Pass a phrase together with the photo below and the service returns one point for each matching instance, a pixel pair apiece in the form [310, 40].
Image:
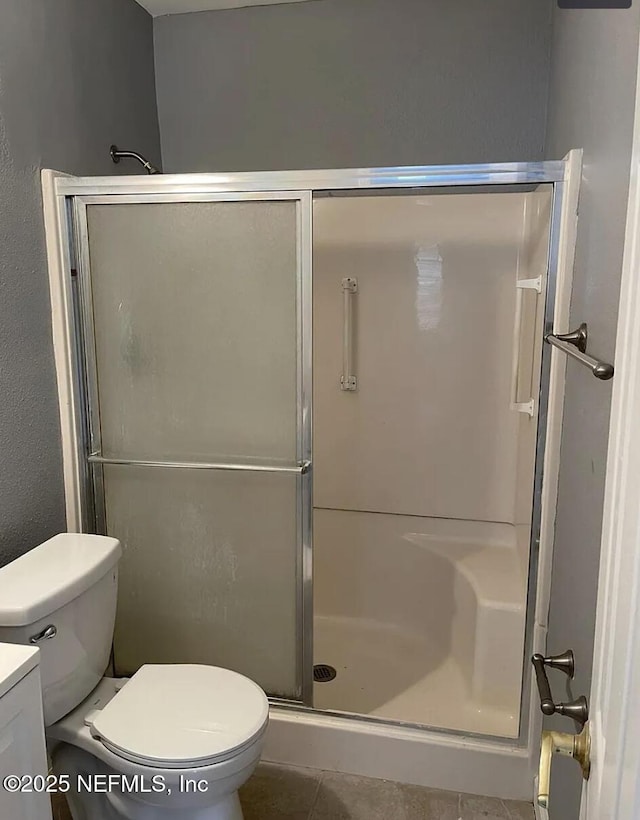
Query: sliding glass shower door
[196, 324]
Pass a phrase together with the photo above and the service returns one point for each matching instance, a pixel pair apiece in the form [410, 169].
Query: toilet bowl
[172, 741]
[172, 738]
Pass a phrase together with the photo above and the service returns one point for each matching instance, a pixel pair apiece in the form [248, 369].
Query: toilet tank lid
[51, 575]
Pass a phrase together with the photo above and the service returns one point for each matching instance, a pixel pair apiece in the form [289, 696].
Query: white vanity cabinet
[22, 745]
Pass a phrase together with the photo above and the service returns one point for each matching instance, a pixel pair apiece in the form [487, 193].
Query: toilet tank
[61, 597]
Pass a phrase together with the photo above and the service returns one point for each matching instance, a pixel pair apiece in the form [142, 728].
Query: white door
[613, 789]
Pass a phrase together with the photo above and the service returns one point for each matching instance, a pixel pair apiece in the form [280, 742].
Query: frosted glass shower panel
[194, 309]
[195, 409]
[209, 570]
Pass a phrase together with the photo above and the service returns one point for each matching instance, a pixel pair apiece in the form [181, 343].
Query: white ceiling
[158, 7]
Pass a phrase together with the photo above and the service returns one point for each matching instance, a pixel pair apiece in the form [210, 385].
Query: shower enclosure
[312, 406]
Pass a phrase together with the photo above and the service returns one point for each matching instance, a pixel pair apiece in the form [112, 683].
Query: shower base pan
[388, 672]
[425, 621]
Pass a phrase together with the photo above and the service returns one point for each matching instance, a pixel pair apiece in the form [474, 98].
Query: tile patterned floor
[288, 793]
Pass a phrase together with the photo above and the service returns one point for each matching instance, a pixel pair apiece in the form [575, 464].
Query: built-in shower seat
[489, 590]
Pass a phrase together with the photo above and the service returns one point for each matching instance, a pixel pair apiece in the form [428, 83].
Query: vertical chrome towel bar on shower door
[348, 380]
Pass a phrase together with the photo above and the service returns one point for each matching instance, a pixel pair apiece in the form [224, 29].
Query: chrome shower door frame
[94, 513]
[80, 191]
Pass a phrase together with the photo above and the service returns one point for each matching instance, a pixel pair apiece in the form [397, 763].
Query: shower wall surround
[430, 431]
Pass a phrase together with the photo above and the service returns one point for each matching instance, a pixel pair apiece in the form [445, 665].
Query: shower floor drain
[323, 673]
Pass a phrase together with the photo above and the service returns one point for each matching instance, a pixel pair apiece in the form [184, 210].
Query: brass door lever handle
[576, 746]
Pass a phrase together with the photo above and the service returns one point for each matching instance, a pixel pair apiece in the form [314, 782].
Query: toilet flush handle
[47, 633]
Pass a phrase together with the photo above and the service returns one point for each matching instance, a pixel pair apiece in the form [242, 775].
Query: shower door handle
[348, 380]
[299, 468]
[527, 407]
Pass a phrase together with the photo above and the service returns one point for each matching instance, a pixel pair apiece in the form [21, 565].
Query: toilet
[172, 741]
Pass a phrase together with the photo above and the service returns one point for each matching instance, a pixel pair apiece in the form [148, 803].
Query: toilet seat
[178, 716]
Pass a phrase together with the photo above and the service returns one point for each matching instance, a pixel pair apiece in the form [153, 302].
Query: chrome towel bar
[96, 458]
[574, 344]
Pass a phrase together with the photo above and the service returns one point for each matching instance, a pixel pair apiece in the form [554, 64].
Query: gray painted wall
[343, 83]
[591, 105]
[75, 76]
